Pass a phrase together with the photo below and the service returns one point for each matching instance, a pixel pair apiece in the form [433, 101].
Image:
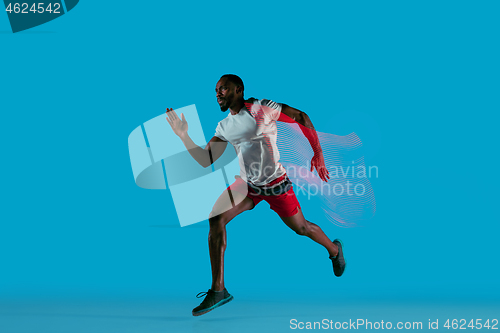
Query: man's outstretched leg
[217, 295]
[303, 227]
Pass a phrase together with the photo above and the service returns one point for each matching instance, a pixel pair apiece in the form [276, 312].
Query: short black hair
[234, 79]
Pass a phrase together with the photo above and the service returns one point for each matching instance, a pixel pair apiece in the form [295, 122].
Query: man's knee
[212, 215]
[303, 229]
[217, 229]
[217, 222]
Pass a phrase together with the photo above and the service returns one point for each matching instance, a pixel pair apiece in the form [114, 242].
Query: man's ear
[239, 89]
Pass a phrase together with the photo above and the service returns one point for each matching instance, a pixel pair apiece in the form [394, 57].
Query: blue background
[418, 82]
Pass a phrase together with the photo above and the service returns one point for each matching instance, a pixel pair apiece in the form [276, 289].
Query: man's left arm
[292, 115]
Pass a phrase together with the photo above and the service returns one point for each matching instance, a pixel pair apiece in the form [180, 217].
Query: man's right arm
[204, 156]
[208, 155]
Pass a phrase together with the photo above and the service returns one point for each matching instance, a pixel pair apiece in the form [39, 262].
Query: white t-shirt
[253, 133]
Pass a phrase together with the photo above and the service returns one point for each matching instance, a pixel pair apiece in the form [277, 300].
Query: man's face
[226, 94]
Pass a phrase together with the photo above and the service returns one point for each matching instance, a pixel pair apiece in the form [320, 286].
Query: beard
[226, 101]
[224, 105]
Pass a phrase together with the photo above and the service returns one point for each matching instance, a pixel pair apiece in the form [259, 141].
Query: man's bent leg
[303, 227]
[299, 224]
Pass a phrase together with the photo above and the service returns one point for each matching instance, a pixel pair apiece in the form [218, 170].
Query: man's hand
[318, 162]
[179, 126]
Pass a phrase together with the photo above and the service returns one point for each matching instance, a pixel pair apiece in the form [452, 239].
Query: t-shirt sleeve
[271, 108]
[219, 132]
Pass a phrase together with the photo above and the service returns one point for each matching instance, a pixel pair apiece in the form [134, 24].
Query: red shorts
[285, 205]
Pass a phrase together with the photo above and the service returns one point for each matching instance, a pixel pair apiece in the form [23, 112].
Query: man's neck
[236, 108]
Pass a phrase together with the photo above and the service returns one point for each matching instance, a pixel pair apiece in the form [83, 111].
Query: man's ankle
[336, 253]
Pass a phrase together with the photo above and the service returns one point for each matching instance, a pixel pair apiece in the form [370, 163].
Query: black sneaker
[213, 300]
[338, 261]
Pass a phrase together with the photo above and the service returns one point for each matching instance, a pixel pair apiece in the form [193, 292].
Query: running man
[251, 128]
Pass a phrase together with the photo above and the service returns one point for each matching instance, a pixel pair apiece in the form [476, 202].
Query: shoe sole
[216, 305]
[345, 261]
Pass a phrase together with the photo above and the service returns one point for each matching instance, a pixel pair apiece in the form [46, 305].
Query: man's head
[229, 90]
